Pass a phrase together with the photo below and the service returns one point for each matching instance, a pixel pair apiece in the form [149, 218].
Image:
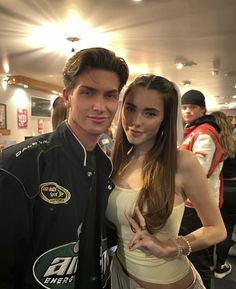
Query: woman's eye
[149, 113]
[129, 108]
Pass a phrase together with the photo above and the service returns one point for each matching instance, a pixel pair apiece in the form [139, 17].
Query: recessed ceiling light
[137, 0]
[179, 65]
[215, 72]
[186, 83]
[181, 62]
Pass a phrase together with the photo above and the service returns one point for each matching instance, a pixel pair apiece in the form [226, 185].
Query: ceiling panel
[151, 35]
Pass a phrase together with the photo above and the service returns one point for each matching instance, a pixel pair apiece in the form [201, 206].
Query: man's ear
[66, 97]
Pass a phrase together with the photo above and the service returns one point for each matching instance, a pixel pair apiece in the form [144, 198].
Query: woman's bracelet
[189, 251]
[178, 247]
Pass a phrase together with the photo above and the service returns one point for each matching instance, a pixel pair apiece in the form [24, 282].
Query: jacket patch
[56, 268]
[54, 194]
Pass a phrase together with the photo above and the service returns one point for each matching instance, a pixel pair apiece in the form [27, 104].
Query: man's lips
[97, 119]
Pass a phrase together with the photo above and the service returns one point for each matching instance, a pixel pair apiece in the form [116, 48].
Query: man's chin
[98, 132]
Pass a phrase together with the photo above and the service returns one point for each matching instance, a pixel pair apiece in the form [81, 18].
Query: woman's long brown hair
[156, 197]
[226, 134]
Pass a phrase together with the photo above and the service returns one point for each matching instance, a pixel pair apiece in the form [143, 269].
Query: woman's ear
[66, 97]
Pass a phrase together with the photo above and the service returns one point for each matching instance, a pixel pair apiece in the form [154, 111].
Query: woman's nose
[137, 119]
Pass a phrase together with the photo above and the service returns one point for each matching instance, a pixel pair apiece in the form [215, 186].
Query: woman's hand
[146, 242]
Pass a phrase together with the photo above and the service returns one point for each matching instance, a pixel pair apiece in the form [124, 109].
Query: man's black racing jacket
[44, 187]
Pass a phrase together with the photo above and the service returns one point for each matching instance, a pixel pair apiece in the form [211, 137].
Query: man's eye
[86, 92]
[112, 95]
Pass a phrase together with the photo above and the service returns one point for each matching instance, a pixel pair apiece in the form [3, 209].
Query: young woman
[228, 209]
[153, 179]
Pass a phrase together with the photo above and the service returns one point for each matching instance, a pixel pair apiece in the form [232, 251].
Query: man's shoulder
[206, 128]
[23, 158]
[24, 161]
[25, 150]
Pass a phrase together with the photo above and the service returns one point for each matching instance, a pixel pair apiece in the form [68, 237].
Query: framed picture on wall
[40, 107]
[22, 118]
[3, 116]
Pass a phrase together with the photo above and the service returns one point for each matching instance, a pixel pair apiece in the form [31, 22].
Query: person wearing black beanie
[193, 97]
[201, 137]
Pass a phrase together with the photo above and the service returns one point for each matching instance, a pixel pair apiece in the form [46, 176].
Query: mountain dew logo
[56, 268]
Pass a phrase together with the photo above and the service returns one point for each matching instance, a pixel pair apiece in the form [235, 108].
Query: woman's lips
[135, 133]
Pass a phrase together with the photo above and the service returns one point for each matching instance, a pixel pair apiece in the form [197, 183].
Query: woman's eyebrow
[151, 109]
[130, 104]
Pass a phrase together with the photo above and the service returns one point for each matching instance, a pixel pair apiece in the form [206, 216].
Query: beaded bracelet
[188, 245]
[178, 247]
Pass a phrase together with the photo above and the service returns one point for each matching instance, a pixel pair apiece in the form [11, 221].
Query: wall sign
[22, 118]
[3, 116]
[40, 125]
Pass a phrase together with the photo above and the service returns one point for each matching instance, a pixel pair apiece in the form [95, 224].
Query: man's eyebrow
[88, 87]
[95, 89]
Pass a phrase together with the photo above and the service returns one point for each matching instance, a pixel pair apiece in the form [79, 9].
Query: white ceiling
[150, 35]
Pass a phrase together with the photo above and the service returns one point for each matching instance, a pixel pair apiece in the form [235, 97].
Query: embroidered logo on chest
[54, 194]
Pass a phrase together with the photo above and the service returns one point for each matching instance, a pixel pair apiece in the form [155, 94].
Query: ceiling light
[179, 65]
[186, 83]
[215, 72]
[230, 73]
[181, 62]
[231, 105]
[73, 39]
[5, 80]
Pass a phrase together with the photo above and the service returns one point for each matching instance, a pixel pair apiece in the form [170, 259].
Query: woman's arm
[197, 189]
[195, 186]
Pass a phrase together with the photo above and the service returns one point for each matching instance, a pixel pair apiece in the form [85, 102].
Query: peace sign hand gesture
[147, 242]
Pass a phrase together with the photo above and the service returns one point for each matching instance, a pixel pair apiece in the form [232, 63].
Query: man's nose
[99, 103]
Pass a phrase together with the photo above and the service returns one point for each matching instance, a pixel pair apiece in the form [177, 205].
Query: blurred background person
[106, 141]
[228, 209]
[202, 138]
[59, 112]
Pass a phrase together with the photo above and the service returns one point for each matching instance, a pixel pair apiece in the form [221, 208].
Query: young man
[54, 187]
[201, 137]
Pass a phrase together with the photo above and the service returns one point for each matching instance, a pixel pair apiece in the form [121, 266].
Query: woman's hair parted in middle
[156, 197]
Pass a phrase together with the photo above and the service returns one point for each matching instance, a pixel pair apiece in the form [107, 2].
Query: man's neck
[89, 141]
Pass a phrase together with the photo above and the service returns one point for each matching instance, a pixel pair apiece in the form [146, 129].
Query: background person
[53, 196]
[106, 141]
[228, 209]
[59, 112]
[153, 180]
[202, 138]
